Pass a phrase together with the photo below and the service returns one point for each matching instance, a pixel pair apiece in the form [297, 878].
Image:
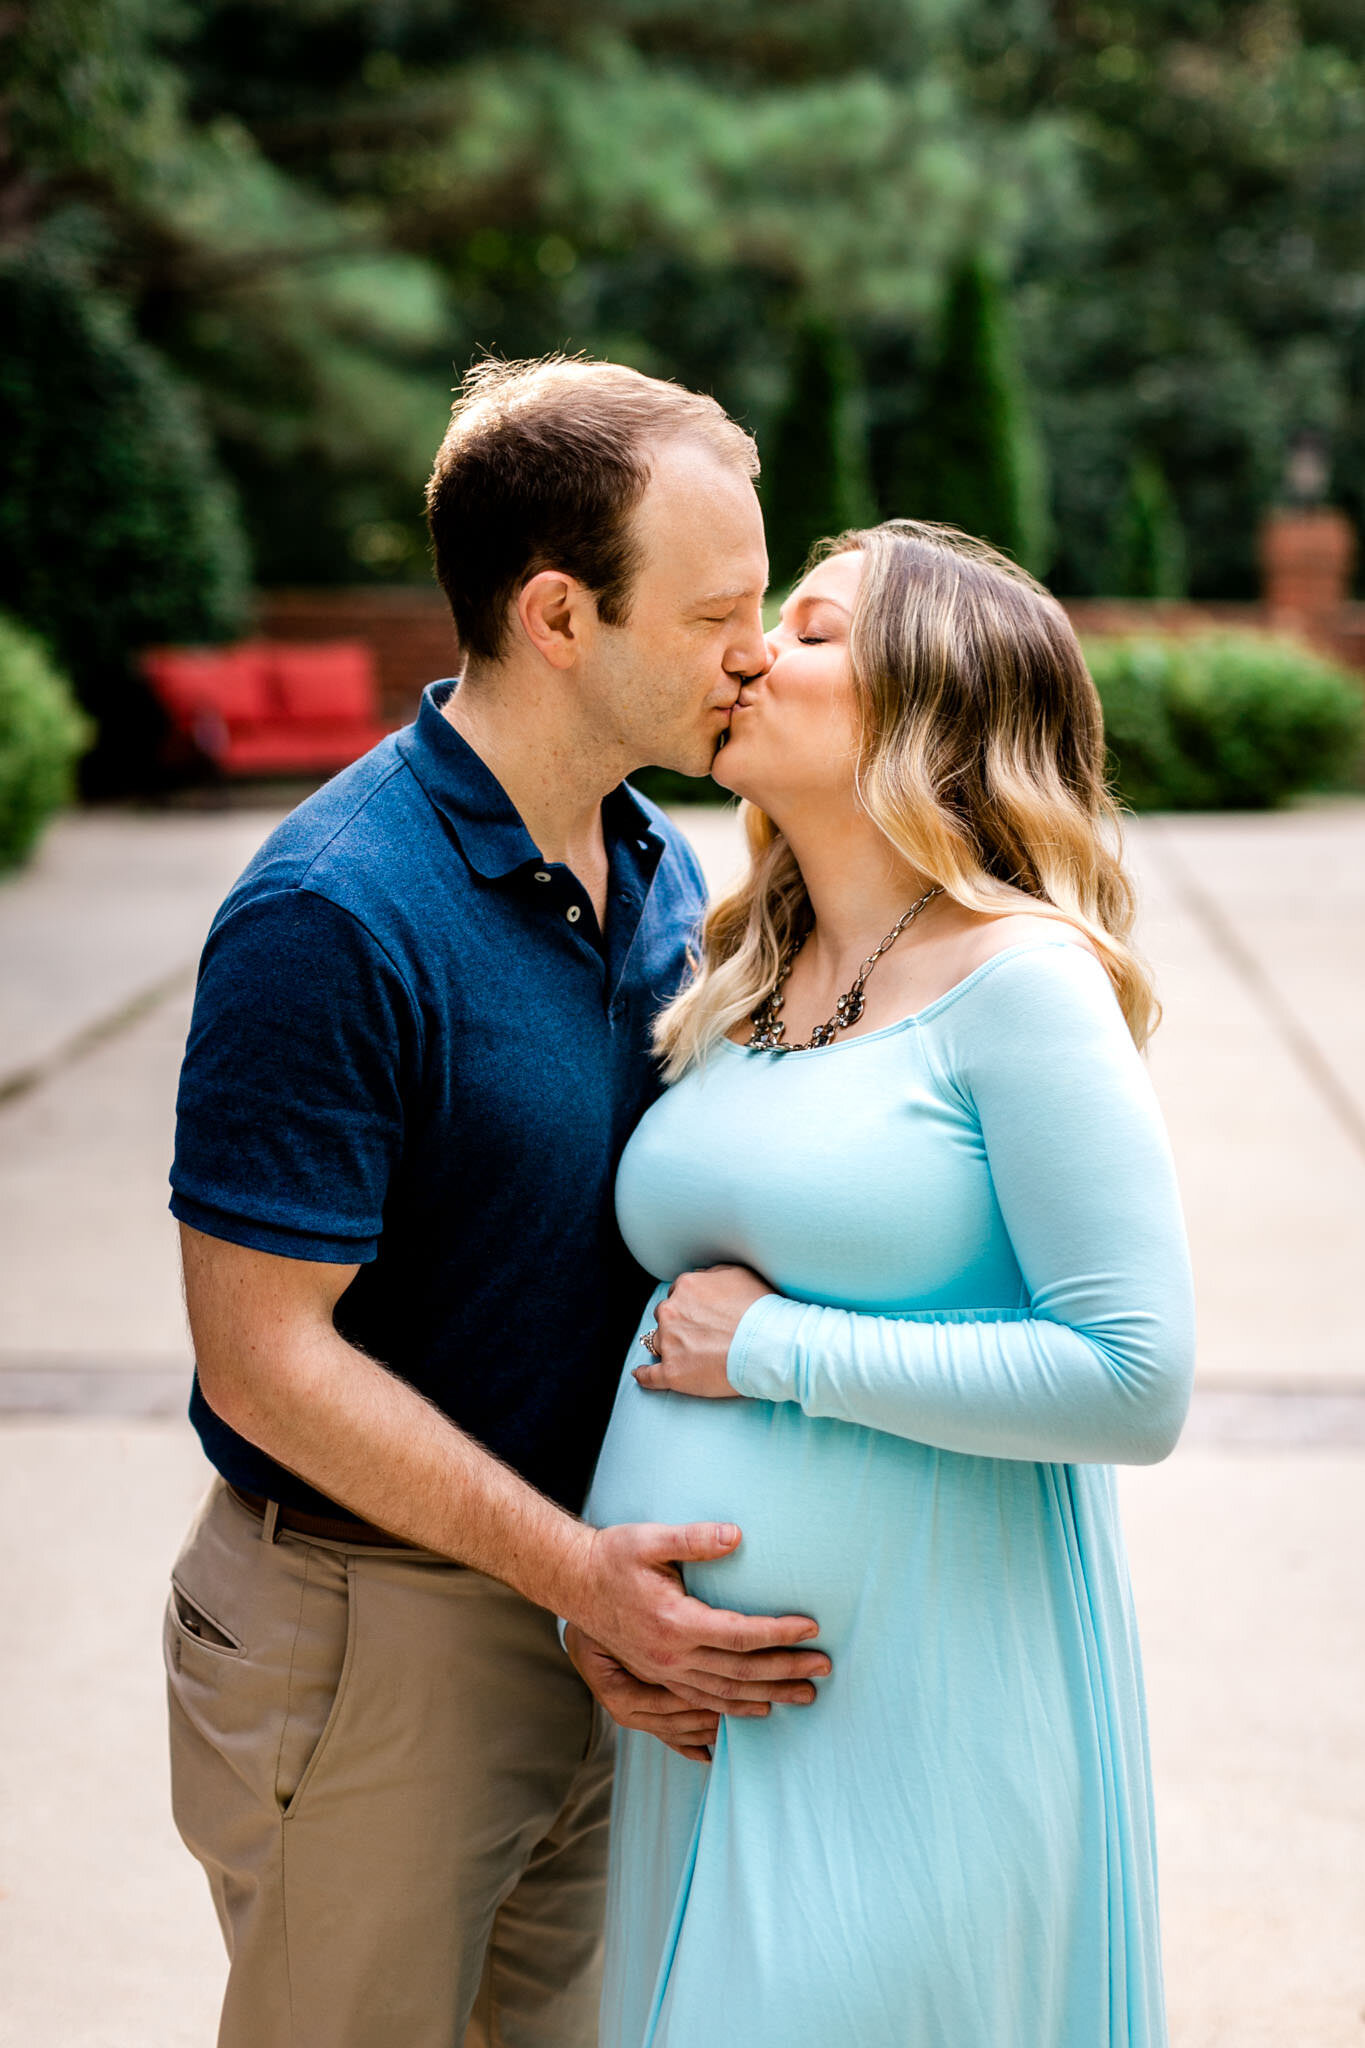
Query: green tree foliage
[1194, 285]
[318, 213]
[814, 458]
[320, 349]
[1149, 542]
[116, 527]
[42, 735]
[321, 213]
[976, 460]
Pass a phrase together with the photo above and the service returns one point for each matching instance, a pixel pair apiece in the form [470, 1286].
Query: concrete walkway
[1246, 1545]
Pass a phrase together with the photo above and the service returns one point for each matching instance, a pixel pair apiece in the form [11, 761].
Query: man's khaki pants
[398, 1787]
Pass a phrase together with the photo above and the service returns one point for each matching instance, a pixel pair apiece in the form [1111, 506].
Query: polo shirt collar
[478, 809]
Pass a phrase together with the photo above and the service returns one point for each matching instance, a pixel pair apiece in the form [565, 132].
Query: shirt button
[573, 913]
[541, 875]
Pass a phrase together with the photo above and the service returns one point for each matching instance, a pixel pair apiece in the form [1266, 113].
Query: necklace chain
[769, 1030]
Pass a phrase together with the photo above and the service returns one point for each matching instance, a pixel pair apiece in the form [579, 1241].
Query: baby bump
[949, 1577]
[822, 1505]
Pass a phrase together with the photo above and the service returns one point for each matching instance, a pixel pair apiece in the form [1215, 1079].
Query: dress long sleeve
[1096, 1366]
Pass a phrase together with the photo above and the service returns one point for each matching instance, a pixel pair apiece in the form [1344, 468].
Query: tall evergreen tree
[815, 479]
[1148, 549]
[975, 459]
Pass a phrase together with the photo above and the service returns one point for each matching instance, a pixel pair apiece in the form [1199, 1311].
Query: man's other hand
[651, 1709]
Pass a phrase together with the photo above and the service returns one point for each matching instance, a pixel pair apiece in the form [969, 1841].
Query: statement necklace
[768, 1026]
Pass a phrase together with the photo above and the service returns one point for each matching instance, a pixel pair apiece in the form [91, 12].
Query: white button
[573, 913]
[541, 875]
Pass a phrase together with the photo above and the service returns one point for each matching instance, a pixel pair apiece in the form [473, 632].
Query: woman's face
[793, 739]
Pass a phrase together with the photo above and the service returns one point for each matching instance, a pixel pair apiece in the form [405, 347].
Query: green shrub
[117, 529]
[42, 736]
[1225, 721]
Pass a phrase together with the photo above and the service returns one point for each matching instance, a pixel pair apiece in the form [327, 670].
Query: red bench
[270, 708]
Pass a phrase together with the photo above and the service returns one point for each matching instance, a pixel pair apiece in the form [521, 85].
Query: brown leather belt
[361, 1535]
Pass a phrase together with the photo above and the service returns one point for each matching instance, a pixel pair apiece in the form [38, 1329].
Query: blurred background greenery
[1074, 275]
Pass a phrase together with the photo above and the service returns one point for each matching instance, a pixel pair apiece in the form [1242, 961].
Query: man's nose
[754, 657]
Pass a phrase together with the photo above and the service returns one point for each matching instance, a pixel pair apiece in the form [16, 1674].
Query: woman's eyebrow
[810, 598]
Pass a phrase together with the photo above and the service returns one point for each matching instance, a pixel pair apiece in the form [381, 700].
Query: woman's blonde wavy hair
[981, 758]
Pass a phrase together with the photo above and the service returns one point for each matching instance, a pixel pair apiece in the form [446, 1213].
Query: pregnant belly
[960, 1569]
[823, 1506]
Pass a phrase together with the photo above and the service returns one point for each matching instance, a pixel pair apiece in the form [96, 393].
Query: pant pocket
[189, 1619]
[318, 1671]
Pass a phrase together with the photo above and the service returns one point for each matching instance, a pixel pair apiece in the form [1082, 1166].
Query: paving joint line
[23, 1080]
[1303, 1048]
[1225, 1416]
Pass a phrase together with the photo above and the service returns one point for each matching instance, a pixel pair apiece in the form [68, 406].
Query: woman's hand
[696, 1321]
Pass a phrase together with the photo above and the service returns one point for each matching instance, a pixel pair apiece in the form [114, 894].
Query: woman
[933, 1284]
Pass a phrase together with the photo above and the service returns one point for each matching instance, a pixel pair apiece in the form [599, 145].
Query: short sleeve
[301, 1053]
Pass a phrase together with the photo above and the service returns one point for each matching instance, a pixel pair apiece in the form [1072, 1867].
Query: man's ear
[557, 614]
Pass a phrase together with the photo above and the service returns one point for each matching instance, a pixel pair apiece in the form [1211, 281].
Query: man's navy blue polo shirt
[414, 1051]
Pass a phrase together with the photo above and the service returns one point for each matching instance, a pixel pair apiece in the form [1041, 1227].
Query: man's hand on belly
[652, 1709]
[697, 1320]
[629, 1598]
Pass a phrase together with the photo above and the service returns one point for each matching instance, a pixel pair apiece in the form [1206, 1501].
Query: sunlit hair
[981, 759]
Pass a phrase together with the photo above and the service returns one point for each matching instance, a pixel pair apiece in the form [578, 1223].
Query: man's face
[663, 684]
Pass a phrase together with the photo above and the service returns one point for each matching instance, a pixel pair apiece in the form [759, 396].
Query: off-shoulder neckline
[930, 1010]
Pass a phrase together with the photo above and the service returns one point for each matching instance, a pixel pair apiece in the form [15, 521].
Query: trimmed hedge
[1225, 721]
[42, 736]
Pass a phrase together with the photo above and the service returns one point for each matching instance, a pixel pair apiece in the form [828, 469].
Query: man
[421, 1037]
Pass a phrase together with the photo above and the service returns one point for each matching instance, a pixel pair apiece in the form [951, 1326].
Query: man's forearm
[370, 1441]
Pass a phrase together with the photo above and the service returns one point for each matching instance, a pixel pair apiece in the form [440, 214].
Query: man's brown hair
[542, 467]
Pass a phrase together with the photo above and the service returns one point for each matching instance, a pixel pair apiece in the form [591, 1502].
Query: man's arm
[274, 1367]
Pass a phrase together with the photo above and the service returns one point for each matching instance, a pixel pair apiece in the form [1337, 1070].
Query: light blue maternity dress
[983, 1302]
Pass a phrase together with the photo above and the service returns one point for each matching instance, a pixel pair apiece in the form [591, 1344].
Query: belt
[360, 1535]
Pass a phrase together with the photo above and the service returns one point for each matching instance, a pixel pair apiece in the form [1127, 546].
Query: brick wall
[408, 629]
[1307, 563]
[1307, 559]
[1158, 615]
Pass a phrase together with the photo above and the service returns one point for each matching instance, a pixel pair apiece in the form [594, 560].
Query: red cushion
[334, 679]
[191, 681]
[279, 745]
